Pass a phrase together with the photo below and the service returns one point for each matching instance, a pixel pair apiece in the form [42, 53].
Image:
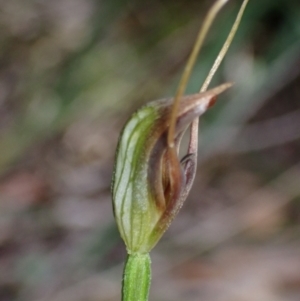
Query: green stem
[136, 277]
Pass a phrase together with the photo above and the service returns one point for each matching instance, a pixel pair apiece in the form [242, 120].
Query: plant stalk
[136, 277]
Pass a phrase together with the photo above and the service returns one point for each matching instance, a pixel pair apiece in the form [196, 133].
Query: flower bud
[150, 183]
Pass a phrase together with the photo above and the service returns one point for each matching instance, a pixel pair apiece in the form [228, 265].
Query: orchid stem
[136, 277]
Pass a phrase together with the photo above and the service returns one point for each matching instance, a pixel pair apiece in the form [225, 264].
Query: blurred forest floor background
[71, 73]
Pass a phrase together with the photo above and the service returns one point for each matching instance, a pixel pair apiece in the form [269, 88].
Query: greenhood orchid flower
[150, 181]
